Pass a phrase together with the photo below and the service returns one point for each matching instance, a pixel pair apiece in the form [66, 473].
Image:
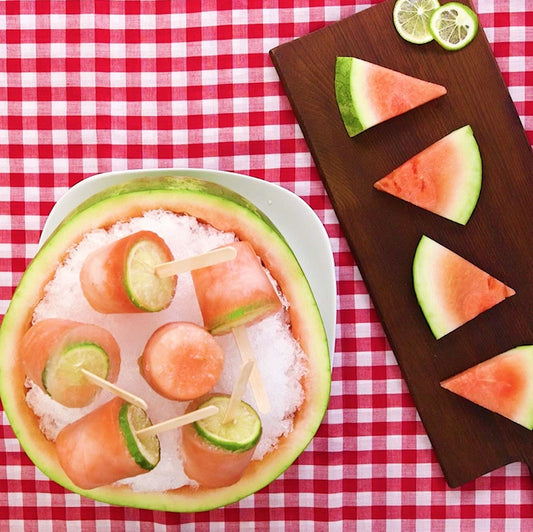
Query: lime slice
[453, 25]
[146, 290]
[411, 19]
[63, 379]
[238, 435]
[145, 450]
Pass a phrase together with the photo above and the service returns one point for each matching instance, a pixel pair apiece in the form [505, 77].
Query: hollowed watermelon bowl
[300, 261]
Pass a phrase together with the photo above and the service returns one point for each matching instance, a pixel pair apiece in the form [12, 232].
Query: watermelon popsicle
[215, 454]
[137, 273]
[181, 361]
[103, 446]
[232, 295]
[219, 434]
[58, 355]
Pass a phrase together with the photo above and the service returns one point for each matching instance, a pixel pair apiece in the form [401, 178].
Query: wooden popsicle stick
[113, 388]
[209, 258]
[238, 391]
[179, 421]
[256, 382]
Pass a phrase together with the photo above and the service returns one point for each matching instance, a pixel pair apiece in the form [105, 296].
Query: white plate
[299, 224]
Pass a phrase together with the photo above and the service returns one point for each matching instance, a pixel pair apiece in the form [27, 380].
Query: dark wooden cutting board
[383, 232]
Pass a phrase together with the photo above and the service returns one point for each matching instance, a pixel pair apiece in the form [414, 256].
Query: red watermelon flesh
[502, 384]
[395, 93]
[450, 289]
[445, 178]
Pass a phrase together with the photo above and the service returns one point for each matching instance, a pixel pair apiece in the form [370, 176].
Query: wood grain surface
[383, 232]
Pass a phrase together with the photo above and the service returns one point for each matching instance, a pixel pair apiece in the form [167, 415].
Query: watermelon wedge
[450, 289]
[368, 94]
[502, 384]
[445, 178]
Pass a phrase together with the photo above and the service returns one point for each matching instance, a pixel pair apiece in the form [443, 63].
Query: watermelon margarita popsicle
[102, 447]
[181, 361]
[214, 453]
[121, 277]
[54, 351]
[234, 293]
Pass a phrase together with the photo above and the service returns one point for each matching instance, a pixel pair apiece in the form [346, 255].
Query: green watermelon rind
[524, 415]
[201, 199]
[351, 104]
[525, 418]
[468, 187]
[425, 264]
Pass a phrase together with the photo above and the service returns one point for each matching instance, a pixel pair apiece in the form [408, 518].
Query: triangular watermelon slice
[450, 289]
[445, 178]
[368, 94]
[502, 384]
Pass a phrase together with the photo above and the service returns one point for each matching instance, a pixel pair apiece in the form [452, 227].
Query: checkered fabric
[92, 86]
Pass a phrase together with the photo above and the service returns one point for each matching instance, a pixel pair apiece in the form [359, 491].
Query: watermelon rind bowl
[204, 192]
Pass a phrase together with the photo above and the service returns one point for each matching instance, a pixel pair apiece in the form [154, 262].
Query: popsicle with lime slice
[238, 435]
[72, 361]
[216, 454]
[105, 446]
[217, 449]
[120, 278]
[219, 434]
[55, 352]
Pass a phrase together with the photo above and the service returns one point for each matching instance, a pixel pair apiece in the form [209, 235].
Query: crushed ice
[278, 355]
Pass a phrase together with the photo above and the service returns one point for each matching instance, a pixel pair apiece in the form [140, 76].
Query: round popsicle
[103, 446]
[181, 361]
[214, 453]
[120, 277]
[232, 295]
[54, 353]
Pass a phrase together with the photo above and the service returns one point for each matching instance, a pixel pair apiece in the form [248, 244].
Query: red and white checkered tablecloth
[93, 86]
